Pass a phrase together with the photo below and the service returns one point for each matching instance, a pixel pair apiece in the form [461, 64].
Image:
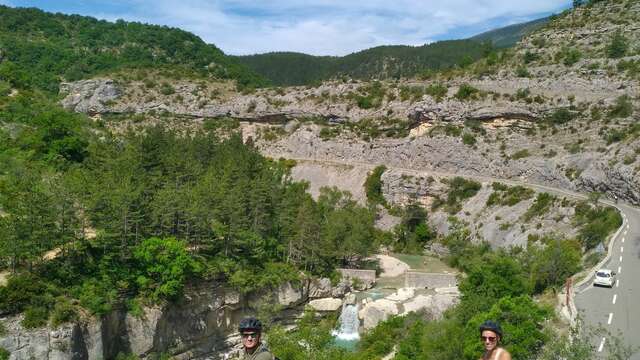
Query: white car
[605, 277]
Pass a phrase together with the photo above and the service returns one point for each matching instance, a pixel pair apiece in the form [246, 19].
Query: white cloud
[322, 27]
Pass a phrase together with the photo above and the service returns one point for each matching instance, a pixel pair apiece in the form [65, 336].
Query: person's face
[250, 339]
[489, 339]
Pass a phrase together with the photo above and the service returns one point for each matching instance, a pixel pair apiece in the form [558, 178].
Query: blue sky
[318, 27]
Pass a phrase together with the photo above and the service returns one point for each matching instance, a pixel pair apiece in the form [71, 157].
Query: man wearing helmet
[251, 330]
[491, 334]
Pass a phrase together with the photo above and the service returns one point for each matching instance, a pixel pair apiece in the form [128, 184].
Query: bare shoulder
[505, 355]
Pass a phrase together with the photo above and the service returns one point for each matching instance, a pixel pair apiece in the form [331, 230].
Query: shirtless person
[491, 334]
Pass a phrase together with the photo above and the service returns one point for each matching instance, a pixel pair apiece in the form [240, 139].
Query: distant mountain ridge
[384, 62]
[510, 35]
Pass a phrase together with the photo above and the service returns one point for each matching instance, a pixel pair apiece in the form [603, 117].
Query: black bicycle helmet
[491, 326]
[250, 324]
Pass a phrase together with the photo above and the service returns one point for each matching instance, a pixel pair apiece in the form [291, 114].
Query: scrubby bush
[622, 108]
[413, 232]
[460, 189]
[596, 223]
[35, 317]
[63, 312]
[466, 92]
[4, 354]
[413, 93]
[96, 296]
[327, 133]
[571, 56]
[167, 89]
[373, 186]
[437, 91]
[468, 139]
[23, 291]
[521, 154]
[522, 72]
[554, 263]
[615, 135]
[508, 195]
[618, 46]
[530, 57]
[560, 116]
[371, 96]
[540, 205]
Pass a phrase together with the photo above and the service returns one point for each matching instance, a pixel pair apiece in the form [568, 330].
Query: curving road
[616, 309]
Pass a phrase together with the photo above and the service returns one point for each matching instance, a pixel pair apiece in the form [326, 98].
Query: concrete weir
[415, 279]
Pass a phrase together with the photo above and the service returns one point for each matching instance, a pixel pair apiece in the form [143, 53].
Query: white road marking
[619, 269]
[610, 318]
[601, 345]
[617, 283]
[623, 240]
[615, 297]
[621, 249]
[620, 258]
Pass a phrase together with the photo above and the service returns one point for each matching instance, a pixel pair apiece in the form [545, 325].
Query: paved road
[617, 309]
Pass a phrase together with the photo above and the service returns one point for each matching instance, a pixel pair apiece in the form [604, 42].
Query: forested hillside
[40, 49]
[383, 62]
[386, 62]
[165, 210]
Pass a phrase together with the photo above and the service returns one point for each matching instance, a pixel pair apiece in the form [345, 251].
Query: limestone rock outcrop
[327, 304]
[203, 322]
[89, 96]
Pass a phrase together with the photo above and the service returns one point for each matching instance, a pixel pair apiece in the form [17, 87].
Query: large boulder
[319, 288]
[328, 304]
[435, 305]
[341, 289]
[289, 295]
[403, 294]
[376, 311]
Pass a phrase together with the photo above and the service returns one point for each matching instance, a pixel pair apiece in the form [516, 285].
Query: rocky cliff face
[202, 324]
[506, 137]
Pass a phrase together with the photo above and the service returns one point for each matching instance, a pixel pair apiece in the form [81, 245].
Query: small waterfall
[349, 323]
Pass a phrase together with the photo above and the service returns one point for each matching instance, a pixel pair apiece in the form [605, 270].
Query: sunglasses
[488, 338]
[251, 335]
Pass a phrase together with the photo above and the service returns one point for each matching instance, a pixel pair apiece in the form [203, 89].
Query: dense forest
[382, 62]
[41, 49]
[142, 214]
